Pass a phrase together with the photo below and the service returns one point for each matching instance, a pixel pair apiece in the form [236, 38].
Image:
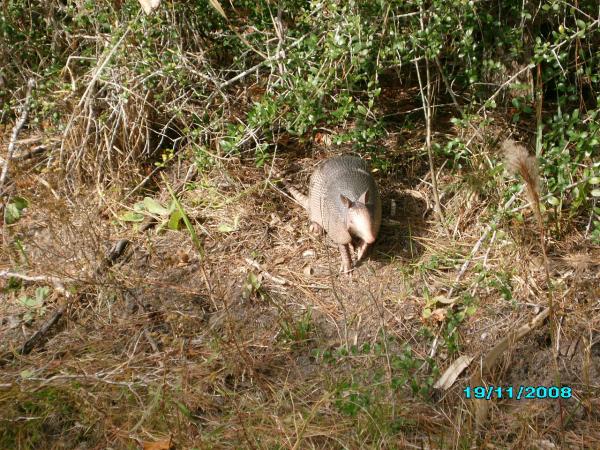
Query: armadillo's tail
[296, 194]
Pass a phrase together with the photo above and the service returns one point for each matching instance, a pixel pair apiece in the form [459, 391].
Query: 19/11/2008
[518, 393]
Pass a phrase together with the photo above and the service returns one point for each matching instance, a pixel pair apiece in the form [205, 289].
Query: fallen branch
[32, 153]
[58, 282]
[31, 343]
[452, 372]
[15, 132]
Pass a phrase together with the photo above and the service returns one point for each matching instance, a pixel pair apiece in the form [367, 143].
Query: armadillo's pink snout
[369, 238]
[363, 226]
[368, 234]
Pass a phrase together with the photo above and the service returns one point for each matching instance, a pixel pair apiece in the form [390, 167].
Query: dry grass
[258, 351]
[250, 338]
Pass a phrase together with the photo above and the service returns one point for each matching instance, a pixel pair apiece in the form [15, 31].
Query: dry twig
[15, 133]
[426, 99]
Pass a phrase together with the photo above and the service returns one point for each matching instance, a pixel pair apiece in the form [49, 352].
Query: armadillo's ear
[345, 201]
[364, 198]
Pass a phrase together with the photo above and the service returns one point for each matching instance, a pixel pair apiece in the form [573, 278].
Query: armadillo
[343, 200]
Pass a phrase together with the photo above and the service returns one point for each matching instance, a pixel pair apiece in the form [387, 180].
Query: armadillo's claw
[347, 271]
[362, 250]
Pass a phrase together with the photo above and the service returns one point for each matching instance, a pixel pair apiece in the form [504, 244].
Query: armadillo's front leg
[351, 247]
[362, 250]
[346, 258]
[315, 228]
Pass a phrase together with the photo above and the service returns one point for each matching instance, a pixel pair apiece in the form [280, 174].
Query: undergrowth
[217, 328]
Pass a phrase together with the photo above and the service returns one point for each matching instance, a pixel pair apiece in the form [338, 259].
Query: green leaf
[14, 209]
[596, 193]
[139, 207]
[228, 228]
[25, 374]
[594, 180]
[176, 205]
[131, 216]
[253, 280]
[31, 303]
[11, 214]
[20, 202]
[553, 201]
[174, 220]
[184, 409]
[153, 207]
[41, 293]
[251, 285]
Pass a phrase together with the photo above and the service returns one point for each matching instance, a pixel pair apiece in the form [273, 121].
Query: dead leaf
[165, 444]
[323, 138]
[439, 314]
[215, 4]
[183, 257]
[278, 261]
[445, 300]
[451, 374]
[149, 5]
[275, 220]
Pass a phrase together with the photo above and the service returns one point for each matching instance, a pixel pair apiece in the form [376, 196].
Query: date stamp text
[517, 392]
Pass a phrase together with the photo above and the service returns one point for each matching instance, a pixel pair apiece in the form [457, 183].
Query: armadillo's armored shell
[342, 175]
